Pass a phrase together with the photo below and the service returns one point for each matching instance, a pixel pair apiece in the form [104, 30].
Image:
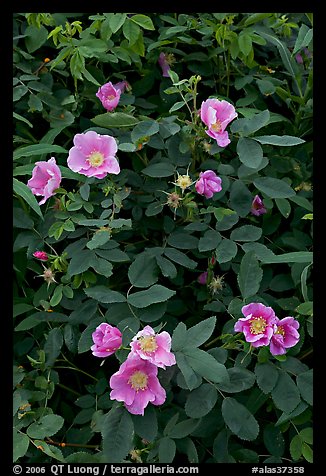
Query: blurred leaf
[240, 421]
[25, 192]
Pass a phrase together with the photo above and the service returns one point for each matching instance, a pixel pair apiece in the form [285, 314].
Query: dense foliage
[172, 194]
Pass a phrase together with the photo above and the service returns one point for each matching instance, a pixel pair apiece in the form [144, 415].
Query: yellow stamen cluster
[280, 330]
[138, 380]
[216, 284]
[217, 126]
[96, 159]
[183, 181]
[148, 343]
[258, 325]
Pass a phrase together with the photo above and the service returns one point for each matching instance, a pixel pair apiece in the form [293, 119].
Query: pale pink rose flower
[156, 348]
[285, 335]
[46, 178]
[217, 115]
[107, 340]
[109, 94]
[136, 384]
[208, 183]
[93, 155]
[257, 325]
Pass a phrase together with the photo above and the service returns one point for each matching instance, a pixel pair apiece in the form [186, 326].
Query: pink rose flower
[257, 325]
[257, 206]
[107, 340]
[202, 278]
[285, 335]
[208, 183]
[163, 62]
[46, 178]
[41, 255]
[156, 348]
[217, 115]
[109, 94]
[93, 155]
[136, 384]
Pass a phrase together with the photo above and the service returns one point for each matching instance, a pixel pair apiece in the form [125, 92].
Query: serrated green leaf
[143, 271]
[296, 447]
[117, 433]
[205, 365]
[37, 149]
[103, 294]
[284, 141]
[240, 379]
[166, 450]
[115, 119]
[274, 188]
[45, 427]
[201, 401]
[285, 394]
[239, 420]
[25, 192]
[246, 233]
[250, 153]
[250, 275]
[155, 293]
[305, 385]
[20, 444]
[267, 376]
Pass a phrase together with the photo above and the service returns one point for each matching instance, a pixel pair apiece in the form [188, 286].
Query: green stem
[78, 370]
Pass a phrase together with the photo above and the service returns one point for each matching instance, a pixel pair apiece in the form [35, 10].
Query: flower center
[258, 325]
[138, 380]
[280, 330]
[217, 126]
[148, 343]
[183, 181]
[110, 97]
[96, 159]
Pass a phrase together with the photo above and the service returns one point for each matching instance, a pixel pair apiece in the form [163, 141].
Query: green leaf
[239, 420]
[296, 447]
[246, 233]
[284, 206]
[226, 251]
[115, 119]
[267, 376]
[205, 365]
[201, 401]
[209, 241]
[182, 240]
[99, 238]
[156, 293]
[307, 435]
[183, 429]
[21, 118]
[161, 169]
[199, 333]
[240, 379]
[144, 21]
[143, 271]
[105, 295]
[294, 257]
[305, 385]
[20, 444]
[190, 377]
[51, 451]
[287, 59]
[144, 129]
[285, 394]
[117, 434]
[274, 188]
[131, 31]
[250, 152]
[180, 258]
[245, 43]
[240, 198]
[37, 149]
[250, 275]
[45, 427]
[116, 20]
[307, 453]
[167, 268]
[166, 450]
[285, 141]
[80, 262]
[35, 37]
[249, 125]
[52, 347]
[305, 308]
[274, 440]
[146, 425]
[102, 266]
[303, 38]
[25, 192]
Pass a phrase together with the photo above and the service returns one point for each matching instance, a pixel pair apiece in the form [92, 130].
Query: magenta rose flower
[136, 384]
[217, 115]
[156, 348]
[202, 278]
[109, 94]
[163, 62]
[107, 340]
[285, 335]
[46, 178]
[93, 155]
[257, 206]
[257, 325]
[41, 255]
[208, 183]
